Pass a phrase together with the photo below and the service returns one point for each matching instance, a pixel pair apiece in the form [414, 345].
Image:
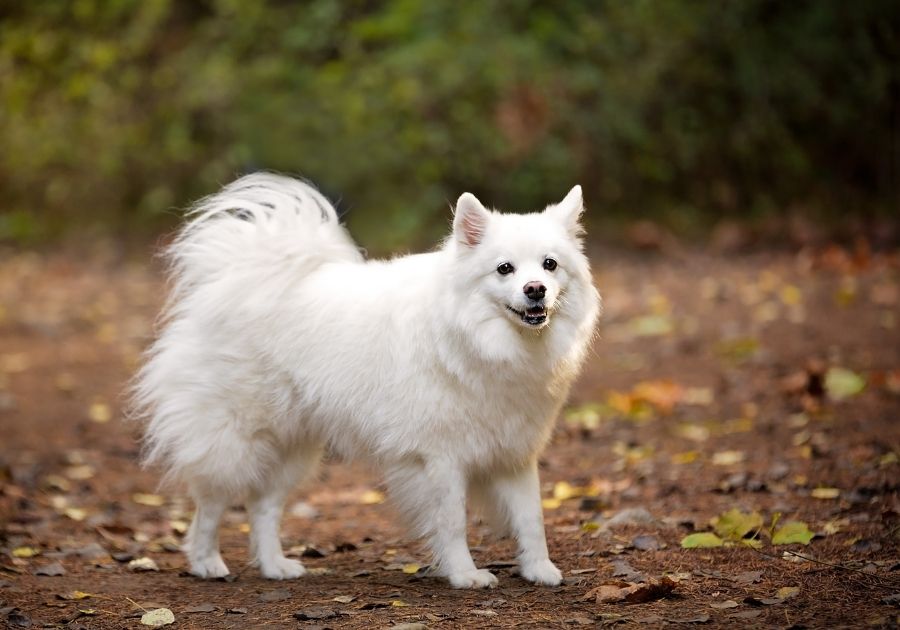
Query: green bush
[119, 112]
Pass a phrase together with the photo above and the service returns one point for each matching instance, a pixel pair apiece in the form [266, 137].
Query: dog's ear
[569, 210]
[470, 220]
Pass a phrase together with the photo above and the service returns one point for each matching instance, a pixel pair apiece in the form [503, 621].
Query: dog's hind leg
[265, 518]
[265, 507]
[202, 543]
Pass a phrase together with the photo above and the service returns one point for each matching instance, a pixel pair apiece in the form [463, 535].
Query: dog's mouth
[533, 315]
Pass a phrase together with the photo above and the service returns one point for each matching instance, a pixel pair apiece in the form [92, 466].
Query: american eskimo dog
[446, 370]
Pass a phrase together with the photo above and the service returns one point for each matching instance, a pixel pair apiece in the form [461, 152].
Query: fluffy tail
[241, 247]
[260, 219]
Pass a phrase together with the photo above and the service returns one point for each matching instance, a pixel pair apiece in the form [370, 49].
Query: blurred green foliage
[119, 112]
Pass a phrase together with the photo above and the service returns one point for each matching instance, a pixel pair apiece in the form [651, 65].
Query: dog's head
[520, 266]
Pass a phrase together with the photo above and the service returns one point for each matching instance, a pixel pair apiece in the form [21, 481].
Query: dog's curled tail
[262, 221]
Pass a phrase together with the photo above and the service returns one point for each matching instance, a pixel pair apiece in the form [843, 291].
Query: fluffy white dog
[446, 369]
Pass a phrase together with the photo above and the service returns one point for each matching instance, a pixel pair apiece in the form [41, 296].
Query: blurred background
[677, 117]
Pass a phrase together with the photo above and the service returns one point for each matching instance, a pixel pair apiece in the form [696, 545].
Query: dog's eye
[549, 264]
[505, 268]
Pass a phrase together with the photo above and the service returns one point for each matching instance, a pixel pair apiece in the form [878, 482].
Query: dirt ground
[767, 384]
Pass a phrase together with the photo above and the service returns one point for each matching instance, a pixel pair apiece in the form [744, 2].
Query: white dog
[445, 369]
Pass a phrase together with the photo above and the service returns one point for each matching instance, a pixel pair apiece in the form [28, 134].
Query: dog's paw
[282, 569]
[479, 578]
[209, 567]
[542, 572]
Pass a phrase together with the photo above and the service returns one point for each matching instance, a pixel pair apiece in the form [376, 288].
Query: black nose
[534, 290]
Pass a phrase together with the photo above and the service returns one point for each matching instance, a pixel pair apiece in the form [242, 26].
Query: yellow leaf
[411, 568]
[734, 524]
[701, 540]
[100, 412]
[835, 526]
[179, 527]
[790, 295]
[152, 500]
[825, 493]
[728, 458]
[693, 432]
[686, 457]
[589, 526]
[550, 504]
[563, 490]
[74, 595]
[25, 552]
[397, 603]
[76, 514]
[57, 482]
[80, 473]
[371, 497]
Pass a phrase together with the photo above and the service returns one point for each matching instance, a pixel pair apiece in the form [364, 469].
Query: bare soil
[711, 386]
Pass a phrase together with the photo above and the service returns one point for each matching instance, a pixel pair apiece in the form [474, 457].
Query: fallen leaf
[99, 412]
[411, 568]
[371, 497]
[662, 394]
[629, 592]
[728, 603]
[73, 595]
[25, 552]
[563, 490]
[152, 500]
[158, 617]
[236, 611]
[651, 326]
[343, 599]
[143, 564]
[786, 592]
[727, 458]
[825, 493]
[701, 540]
[735, 524]
[80, 472]
[792, 532]
[550, 504]
[841, 383]
[687, 457]
[76, 514]
[398, 603]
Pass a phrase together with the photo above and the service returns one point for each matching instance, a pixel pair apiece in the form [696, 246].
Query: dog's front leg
[433, 496]
[519, 497]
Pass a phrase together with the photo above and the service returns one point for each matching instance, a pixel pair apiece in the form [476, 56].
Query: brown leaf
[631, 593]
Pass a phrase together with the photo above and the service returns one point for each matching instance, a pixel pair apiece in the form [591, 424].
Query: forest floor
[753, 398]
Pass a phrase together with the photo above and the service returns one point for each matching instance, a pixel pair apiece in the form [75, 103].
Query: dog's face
[520, 266]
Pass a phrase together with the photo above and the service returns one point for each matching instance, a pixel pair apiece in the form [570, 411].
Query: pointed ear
[568, 211]
[470, 220]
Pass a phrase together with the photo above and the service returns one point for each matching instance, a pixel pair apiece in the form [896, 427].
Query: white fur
[280, 341]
